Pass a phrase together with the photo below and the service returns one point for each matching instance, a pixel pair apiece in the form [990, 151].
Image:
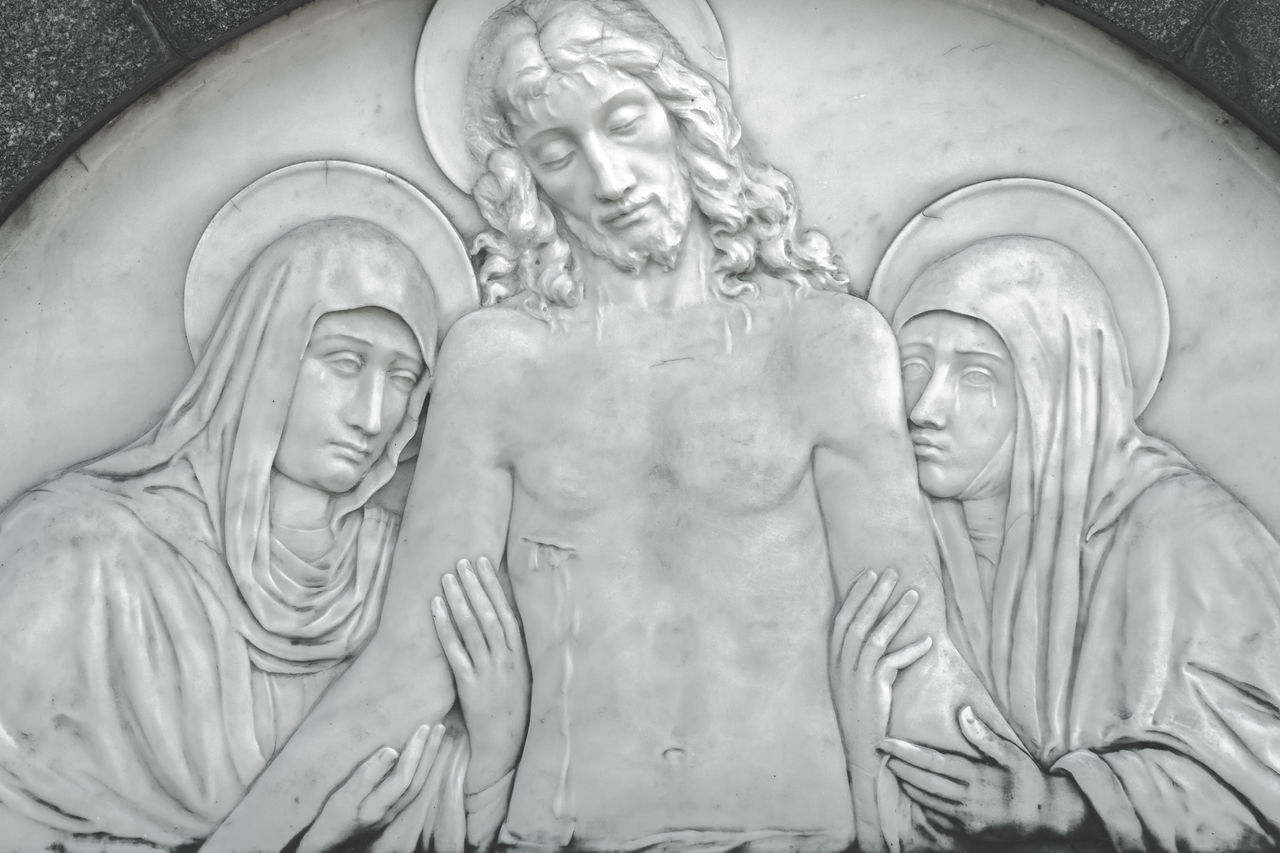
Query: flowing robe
[1130, 630]
[160, 644]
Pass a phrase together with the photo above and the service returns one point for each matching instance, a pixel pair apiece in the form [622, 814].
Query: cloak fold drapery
[1131, 629]
[160, 645]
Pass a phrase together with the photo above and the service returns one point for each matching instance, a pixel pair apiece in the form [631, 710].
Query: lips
[352, 450]
[925, 446]
[627, 214]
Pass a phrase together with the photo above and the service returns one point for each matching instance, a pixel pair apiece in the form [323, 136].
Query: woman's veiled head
[1039, 305]
[330, 312]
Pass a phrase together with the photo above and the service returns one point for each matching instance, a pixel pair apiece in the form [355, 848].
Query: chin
[340, 479]
[937, 482]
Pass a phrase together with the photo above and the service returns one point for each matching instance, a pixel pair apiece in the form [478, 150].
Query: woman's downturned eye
[977, 378]
[914, 369]
[404, 380]
[345, 364]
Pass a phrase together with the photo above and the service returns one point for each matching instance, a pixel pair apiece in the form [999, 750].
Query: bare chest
[607, 425]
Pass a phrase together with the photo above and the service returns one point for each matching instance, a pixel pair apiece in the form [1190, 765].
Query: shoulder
[845, 346]
[1191, 527]
[840, 325]
[67, 512]
[1187, 499]
[82, 546]
[488, 344]
[505, 323]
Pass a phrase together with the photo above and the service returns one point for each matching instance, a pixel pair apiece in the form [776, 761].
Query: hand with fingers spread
[1007, 797]
[862, 674]
[374, 794]
[862, 667]
[481, 638]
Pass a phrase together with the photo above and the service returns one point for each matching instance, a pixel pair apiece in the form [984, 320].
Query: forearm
[378, 702]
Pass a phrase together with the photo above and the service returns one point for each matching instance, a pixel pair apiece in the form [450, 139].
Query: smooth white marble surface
[876, 108]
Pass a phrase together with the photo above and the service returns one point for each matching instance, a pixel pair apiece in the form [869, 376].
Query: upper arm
[459, 504]
[865, 471]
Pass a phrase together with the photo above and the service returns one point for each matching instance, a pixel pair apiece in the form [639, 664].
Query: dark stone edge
[181, 58]
[1175, 62]
[1178, 63]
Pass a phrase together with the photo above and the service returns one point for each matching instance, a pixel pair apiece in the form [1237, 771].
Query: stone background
[68, 66]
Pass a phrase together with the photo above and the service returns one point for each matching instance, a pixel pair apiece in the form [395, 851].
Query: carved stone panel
[646, 424]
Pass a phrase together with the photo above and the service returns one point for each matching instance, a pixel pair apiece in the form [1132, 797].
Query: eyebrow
[629, 96]
[980, 352]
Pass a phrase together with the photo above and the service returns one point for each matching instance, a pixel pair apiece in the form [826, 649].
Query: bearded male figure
[684, 437]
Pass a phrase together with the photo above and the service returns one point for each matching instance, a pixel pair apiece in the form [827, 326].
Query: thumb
[987, 742]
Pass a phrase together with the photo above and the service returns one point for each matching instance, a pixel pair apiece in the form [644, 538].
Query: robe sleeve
[1186, 615]
[113, 719]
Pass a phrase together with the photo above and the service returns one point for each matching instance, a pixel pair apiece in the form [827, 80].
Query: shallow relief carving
[691, 463]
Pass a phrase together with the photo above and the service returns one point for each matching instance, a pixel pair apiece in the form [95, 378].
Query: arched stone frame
[68, 69]
[1050, 13]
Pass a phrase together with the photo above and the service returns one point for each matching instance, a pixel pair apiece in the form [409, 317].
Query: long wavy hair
[751, 206]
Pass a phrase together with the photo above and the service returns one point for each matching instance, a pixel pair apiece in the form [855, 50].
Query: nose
[932, 408]
[613, 174]
[364, 407]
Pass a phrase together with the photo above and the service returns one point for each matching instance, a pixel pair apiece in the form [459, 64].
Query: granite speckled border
[67, 67]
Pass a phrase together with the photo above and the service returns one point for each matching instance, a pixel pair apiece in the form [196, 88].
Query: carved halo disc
[444, 52]
[1037, 208]
[282, 200]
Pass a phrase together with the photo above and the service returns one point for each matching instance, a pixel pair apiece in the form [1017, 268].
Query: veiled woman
[1122, 608]
[171, 611]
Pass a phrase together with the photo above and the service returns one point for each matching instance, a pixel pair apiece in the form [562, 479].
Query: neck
[655, 288]
[984, 518]
[297, 506]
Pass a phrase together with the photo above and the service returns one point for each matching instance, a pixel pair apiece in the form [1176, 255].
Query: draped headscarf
[226, 426]
[160, 642]
[1124, 572]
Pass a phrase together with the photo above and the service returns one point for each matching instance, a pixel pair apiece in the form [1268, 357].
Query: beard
[655, 239]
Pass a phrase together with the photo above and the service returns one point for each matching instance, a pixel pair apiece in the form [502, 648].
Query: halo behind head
[283, 200]
[1038, 208]
[444, 57]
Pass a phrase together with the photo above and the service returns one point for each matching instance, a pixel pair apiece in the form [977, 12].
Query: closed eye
[345, 363]
[625, 127]
[404, 379]
[558, 163]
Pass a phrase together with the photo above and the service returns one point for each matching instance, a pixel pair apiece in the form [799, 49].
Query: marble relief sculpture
[683, 439]
[173, 609]
[673, 541]
[1119, 604]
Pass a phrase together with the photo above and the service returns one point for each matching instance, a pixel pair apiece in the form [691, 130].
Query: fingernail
[463, 564]
[450, 580]
[485, 565]
[387, 755]
[890, 575]
[467, 570]
[966, 715]
[422, 732]
[437, 604]
[911, 594]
